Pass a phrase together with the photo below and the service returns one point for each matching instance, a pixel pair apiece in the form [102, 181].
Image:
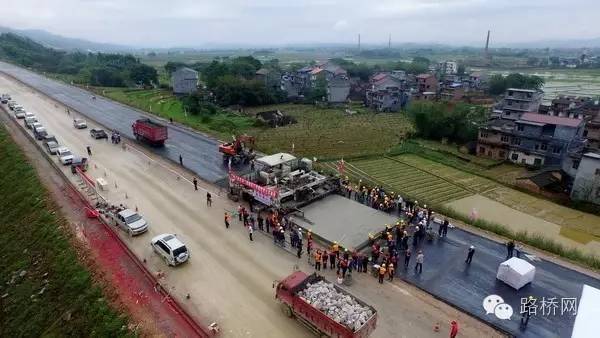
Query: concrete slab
[200, 153]
[336, 218]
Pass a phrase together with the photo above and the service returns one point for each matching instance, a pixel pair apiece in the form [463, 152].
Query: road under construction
[228, 279]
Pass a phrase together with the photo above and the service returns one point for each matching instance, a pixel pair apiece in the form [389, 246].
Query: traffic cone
[436, 327]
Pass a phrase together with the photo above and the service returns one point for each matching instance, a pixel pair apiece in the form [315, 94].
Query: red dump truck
[149, 131]
[295, 302]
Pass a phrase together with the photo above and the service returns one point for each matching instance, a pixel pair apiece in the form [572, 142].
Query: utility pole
[390, 41]
[487, 45]
[359, 42]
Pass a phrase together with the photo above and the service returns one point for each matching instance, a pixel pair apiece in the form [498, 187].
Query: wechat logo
[495, 304]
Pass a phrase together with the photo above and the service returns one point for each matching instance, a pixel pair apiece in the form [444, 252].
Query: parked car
[35, 125]
[11, 104]
[79, 162]
[79, 123]
[49, 138]
[170, 248]
[18, 108]
[39, 133]
[29, 121]
[98, 133]
[130, 221]
[5, 98]
[20, 114]
[51, 147]
[64, 155]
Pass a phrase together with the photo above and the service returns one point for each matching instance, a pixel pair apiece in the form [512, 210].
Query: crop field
[330, 133]
[407, 180]
[433, 182]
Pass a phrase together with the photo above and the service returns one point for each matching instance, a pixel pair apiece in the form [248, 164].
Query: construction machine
[241, 150]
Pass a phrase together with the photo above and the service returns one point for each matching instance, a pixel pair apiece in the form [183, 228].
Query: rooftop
[276, 159]
[521, 90]
[592, 155]
[548, 119]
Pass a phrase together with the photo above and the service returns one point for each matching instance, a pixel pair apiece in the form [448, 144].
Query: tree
[143, 74]
[461, 69]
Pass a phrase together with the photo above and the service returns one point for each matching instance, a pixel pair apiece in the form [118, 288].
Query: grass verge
[45, 290]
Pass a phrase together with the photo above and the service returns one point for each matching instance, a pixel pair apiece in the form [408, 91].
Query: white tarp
[516, 272]
[588, 312]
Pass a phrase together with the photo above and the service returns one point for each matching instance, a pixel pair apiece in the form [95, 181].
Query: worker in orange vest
[382, 271]
[391, 271]
[336, 249]
[227, 219]
[318, 260]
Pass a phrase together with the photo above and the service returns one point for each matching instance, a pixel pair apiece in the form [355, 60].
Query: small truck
[150, 132]
[291, 294]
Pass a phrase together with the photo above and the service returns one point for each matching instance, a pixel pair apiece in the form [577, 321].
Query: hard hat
[309, 230]
[472, 247]
[334, 242]
[383, 265]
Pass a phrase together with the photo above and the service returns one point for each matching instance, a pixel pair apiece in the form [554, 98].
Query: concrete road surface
[228, 277]
[200, 153]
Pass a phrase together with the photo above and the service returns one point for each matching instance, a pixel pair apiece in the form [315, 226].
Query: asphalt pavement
[447, 276]
[200, 152]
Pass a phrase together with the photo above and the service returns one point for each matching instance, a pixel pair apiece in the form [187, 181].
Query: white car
[79, 123]
[29, 114]
[64, 155]
[51, 147]
[131, 221]
[20, 114]
[170, 248]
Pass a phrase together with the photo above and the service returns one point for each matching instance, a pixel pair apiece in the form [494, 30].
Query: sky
[198, 23]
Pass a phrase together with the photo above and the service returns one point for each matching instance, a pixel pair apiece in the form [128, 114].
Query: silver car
[79, 123]
[131, 221]
[170, 248]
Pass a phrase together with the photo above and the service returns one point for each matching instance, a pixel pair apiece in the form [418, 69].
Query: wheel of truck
[287, 310]
[167, 261]
[130, 233]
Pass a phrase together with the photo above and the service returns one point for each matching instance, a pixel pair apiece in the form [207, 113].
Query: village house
[426, 87]
[184, 81]
[517, 102]
[448, 67]
[586, 185]
[269, 77]
[386, 92]
[335, 78]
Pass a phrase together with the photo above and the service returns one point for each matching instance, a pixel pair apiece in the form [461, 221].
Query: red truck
[150, 132]
[289, 293]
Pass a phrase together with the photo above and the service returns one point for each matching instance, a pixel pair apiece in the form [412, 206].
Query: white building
[449, 67]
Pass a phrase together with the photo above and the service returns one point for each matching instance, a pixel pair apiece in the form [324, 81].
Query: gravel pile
[340, 307]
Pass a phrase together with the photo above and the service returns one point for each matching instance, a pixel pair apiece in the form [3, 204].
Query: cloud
[163, 23]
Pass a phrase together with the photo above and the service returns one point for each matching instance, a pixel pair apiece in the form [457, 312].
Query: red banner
[270, 192]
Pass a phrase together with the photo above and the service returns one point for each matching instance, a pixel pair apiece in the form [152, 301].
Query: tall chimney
[390, 41]
[487, 44]
[359, 42]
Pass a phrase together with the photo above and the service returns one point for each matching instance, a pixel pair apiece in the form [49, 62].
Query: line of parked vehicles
[168, 246]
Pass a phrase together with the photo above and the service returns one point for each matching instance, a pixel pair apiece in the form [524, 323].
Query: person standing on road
[227, 219]
[332, 260]
[180, 160]
[453, 329]
[240, 211]
[445, 228]
[318, 260]
[470, 254]
[391, 271]
[260, 222]
[195, 181]
[382, 271]
[365, 263]
[420, 258]
[510, 248]
[407, 255]
[208, 199]
[89, 150]
[527, 310]
[250, 231]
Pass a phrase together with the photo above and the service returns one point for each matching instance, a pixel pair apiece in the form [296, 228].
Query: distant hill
[64, 43]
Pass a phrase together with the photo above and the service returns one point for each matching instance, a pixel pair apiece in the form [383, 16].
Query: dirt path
[228, 277]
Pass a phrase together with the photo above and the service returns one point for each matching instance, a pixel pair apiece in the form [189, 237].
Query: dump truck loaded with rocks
[324, 307]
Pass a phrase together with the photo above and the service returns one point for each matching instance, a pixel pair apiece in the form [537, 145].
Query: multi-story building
[586, 185]
[494, 139]
[386, 92]
[448, 67]
[517, 102]
[592, 133]
[542, 140]
[184, 81]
